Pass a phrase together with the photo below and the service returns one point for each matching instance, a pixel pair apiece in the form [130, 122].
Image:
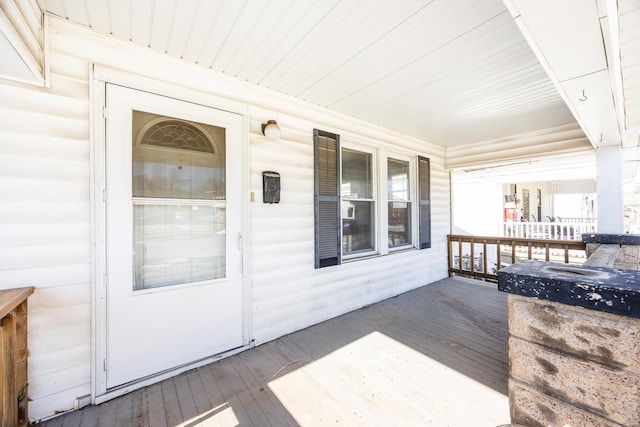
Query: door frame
[99, 77]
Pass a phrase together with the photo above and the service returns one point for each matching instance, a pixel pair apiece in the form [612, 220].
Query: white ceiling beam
[610, 23]
[568, 38]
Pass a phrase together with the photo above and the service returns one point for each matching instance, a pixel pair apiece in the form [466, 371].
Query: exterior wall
[45, 215]
[565, 139]
[546, 200]
[477, 207]
[45, 228]
[582, 186]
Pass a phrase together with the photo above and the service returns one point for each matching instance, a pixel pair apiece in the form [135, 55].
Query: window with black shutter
[327, 198]
[345, 203]
[424, 193]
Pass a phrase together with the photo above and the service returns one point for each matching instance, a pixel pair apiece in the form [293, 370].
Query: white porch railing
[560, 229]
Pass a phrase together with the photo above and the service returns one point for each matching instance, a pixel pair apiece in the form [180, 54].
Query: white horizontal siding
[583, 186]
[288, 293]
[45, 227]
[45, 209]
[543, 143]
[45, 276]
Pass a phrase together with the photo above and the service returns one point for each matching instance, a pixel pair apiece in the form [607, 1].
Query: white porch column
[609, 188]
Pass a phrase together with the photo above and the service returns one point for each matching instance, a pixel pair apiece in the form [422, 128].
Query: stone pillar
[628, 257]
[574, 344]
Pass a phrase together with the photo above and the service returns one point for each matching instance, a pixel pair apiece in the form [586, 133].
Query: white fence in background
[559, 229]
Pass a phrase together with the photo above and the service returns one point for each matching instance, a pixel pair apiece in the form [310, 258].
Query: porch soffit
[447, 71]
[630, 59]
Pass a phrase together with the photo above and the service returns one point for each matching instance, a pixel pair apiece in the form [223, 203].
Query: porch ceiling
[447, 71]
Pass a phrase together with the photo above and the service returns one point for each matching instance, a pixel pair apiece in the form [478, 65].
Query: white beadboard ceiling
[630, 59]
[448, 71]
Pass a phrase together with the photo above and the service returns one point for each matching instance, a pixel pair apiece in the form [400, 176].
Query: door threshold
[121, 390]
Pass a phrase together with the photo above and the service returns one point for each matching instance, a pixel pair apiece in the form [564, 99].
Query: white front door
[173, 223]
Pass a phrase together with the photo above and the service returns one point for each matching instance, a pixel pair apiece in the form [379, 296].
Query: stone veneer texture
[573, 362]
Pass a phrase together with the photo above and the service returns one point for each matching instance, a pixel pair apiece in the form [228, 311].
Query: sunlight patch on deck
[377, 380]
[221, 416]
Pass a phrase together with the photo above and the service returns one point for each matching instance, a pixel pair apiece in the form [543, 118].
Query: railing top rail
[11, 298]
[518, 241]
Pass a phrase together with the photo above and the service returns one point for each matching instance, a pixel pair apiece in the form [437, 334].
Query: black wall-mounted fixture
[270, 187]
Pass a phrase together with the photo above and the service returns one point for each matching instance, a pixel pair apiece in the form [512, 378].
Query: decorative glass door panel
[177, 244]
[178, 201]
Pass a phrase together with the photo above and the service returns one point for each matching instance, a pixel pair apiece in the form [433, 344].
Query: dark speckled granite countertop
[598, 288]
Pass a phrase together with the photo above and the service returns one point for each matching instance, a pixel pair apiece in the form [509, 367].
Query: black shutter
[424, 194]
[326, 148]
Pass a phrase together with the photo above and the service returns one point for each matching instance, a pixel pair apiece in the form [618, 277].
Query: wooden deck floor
[434, 356]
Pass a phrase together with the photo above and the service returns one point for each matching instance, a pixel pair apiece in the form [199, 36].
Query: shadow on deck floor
[433, 356]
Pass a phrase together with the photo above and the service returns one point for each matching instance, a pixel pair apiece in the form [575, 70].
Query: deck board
[188, 408]
[220, 372]
[153, 407]
[107, 415]
[89, 416]
[433, 356]
[123, 409]
[248, 365]
[171, 403]
[137, 407]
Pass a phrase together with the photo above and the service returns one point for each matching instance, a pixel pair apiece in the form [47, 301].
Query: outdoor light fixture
[271, 130]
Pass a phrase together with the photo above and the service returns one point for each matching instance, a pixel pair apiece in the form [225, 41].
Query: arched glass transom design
[179, 134]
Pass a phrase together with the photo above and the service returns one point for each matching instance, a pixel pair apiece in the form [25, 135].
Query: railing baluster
[460, 253]
[450, 245]
[484, 256]
[473, 257]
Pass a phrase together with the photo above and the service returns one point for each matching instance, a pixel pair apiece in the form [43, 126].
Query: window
[358, 205]
[424, 191]
[399, 199]
[179, 193]
[346, 183]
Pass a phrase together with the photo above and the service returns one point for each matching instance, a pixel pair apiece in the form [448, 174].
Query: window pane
[356, 175]
[175, 244]
[398, 180]
[177, 158]
[399, 223]
[424, 203]
[357, 226]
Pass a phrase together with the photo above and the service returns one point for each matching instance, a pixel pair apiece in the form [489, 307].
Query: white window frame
[420, 234]
[413, 195]
[349, 146]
